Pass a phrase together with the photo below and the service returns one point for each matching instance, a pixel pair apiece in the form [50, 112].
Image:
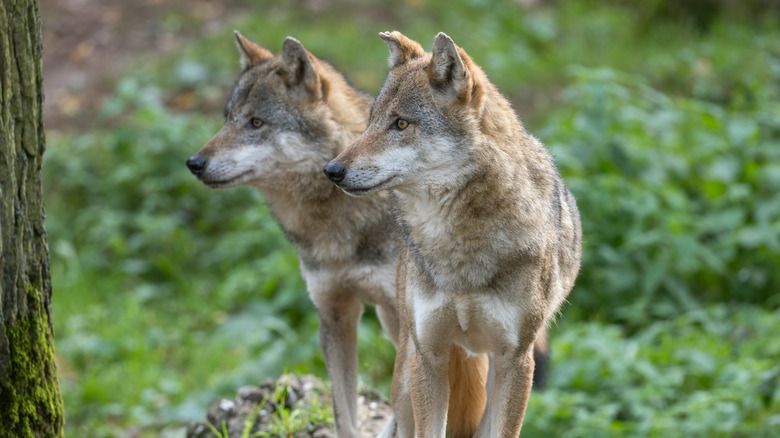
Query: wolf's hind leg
[388, 317]
[389, 430]
[339, 315]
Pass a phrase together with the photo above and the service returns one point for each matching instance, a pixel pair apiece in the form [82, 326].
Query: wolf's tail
[468, 379]
[467, 376]
[541, 359]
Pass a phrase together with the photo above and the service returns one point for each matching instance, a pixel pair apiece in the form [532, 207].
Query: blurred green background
[664, 120]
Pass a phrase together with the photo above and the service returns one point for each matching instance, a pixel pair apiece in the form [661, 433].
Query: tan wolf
[287, 116]
[491, 234]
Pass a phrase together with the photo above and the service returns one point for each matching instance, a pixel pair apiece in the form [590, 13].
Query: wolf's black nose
[196, 163]
[335, 171]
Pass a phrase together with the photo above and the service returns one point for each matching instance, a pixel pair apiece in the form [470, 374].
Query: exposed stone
[301, 391]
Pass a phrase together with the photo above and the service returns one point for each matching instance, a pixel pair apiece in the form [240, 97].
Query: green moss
[31, 405]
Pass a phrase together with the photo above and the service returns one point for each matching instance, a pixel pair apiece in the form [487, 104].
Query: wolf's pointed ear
[298, 68]
[251, 53]
[447, 68]
[402, 48]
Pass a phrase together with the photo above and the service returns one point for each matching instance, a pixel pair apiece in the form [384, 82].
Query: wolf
[491, 235]
[287, 116]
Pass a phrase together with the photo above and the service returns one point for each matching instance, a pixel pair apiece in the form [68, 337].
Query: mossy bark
[30, 402]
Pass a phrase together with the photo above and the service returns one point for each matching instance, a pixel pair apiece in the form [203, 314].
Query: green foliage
[711, 372]
[678, 196]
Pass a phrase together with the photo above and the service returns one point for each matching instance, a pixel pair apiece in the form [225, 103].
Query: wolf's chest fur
[466, 239]
[479, 321]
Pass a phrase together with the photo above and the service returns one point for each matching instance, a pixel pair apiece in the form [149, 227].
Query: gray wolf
[491, 235]
[287, 116]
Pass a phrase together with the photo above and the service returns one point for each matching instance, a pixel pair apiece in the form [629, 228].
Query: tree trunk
[30, 403]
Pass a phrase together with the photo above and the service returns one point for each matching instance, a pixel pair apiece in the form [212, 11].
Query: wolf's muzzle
[335, 171]
[197, 164]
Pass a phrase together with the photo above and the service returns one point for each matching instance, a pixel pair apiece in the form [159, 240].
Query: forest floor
[88, 44]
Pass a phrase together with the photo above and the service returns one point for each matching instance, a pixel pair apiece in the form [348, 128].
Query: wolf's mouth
[358, 191]
[226, 182]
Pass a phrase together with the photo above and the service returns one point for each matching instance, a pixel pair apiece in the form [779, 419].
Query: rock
[301, 392]
[323, 433]
[252, 394]
[199, 430]
[220, 410]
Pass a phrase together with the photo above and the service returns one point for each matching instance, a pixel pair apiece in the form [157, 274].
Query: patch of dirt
[88, 43]
[373, 409]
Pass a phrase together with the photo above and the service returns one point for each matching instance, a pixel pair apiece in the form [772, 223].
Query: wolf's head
[428, 113]
[286, 116]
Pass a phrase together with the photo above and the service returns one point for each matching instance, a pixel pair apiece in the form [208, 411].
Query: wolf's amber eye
[255, 122]
[401, 124]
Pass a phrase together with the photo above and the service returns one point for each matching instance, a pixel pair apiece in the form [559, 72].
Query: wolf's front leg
[430, 391]
[402, 423]
[339, 315]
[512, 386]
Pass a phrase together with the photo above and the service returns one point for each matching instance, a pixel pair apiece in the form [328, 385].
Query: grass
[167, 295]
